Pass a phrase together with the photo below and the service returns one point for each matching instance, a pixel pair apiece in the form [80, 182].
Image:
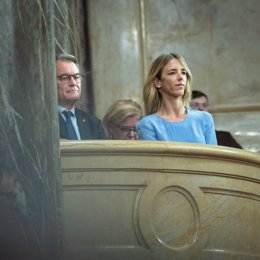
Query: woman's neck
[174, 111]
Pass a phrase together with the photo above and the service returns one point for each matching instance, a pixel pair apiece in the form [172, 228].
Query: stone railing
[159, 200]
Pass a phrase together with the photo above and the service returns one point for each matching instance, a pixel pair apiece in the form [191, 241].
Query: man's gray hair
[67, 57]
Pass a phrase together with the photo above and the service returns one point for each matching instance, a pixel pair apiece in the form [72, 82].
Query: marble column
[28, 129]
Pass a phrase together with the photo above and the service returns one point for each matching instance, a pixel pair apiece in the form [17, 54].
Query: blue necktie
[70, 127]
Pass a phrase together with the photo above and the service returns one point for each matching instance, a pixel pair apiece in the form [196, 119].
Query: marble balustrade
[159, 200]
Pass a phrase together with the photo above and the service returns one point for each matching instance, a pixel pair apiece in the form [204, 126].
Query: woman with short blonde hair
[121, 118]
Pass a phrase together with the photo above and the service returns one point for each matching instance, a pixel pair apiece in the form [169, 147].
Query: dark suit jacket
[90, 127]
[226, 139]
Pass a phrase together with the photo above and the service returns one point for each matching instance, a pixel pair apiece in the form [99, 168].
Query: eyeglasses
[66, 78]
[127, 129]
[197, 105]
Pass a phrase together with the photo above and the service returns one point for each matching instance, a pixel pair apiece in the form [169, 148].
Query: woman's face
[173, 79]
[126, 130]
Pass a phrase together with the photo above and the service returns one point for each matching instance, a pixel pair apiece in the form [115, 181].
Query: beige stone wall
[219, 39]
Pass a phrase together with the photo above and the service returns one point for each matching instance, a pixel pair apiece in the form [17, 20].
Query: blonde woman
[166, 94]
[121, 118]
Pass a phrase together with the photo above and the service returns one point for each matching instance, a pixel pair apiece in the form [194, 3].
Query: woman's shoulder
[153, 118]
[199, 114]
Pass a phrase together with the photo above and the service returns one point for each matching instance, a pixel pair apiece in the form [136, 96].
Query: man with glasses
[74, 123]
[200, 101]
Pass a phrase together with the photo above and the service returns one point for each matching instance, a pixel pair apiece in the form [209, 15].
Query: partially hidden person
[200, 101]
[121, 118]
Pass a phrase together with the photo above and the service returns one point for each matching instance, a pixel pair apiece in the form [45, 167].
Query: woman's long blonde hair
[151, 95]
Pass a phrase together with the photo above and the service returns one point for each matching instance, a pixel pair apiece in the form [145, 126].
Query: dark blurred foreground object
[18, 239]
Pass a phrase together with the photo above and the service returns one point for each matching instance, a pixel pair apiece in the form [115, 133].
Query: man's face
[69, 88]
[199, 103]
